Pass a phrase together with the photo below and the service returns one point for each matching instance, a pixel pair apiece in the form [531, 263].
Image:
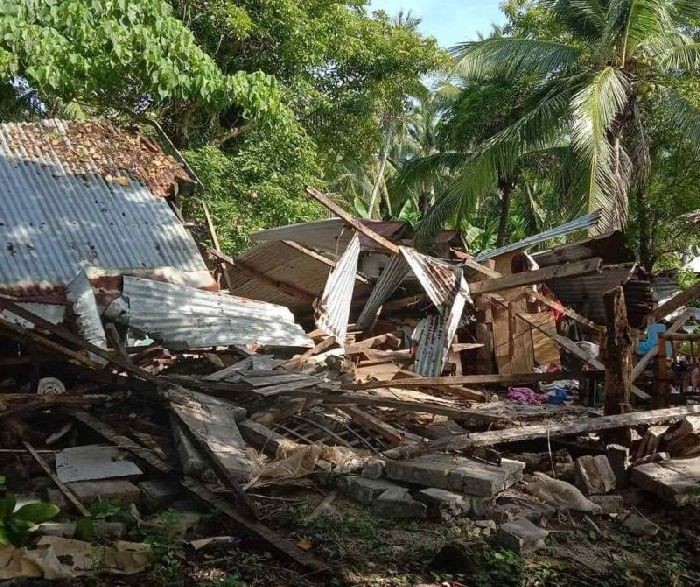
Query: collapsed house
[334, 349]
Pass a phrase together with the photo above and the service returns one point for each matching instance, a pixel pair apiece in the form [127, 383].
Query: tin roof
[69, 196]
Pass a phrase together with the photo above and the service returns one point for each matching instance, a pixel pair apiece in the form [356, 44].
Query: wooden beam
[70, 496]
[618, 354]
[564, 310]
[373, 423]
[481, 269]
[318, 349]
[321, 258]
[531, 277]
[651, 353]
[287, 288]
[465, 442]
[351, 220]
[677, 301]
[493, 379]
[215, 241]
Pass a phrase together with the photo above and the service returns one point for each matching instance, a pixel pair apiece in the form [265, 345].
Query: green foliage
[16, 523]
[248, 190]
[123, 55]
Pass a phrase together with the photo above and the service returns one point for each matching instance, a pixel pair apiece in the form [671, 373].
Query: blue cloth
[653, 331]
[557, 396]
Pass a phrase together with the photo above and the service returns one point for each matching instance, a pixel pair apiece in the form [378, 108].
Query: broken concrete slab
[521, 536]
[509, 509]
[594, 476]
[640, 526]
[158, 494]
[456, 473]
[373, 469]
[93, 462]
[364, 490]
[442, 503]
[398, 504]
[619, 460]
[609, 504]
[191, 459]
[676, 481]
[118, 490]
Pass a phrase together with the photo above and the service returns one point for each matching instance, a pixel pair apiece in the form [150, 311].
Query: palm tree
[590, 86]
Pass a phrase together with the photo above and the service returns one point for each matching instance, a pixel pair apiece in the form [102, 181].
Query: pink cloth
[525, 395]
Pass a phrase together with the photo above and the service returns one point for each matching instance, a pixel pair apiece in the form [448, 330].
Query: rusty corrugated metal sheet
[392, 276]
[56, 216]
[611, 247]
[437, 278]
[584, 293]
[583, 223]
[181, 317]
[333, 310]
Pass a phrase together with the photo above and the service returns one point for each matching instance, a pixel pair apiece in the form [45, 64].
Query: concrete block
[157, 495]
[373, 469]
[594, 476]
[676, 481]
[619, 459]
[609, 504]
[521, 507]
[397, 504]
[363, 490]
[442, 503]
[640, 526]
[521, 536]
[117, 490]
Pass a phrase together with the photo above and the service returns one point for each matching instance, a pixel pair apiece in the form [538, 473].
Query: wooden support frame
[678, 301]
[646, 359]
[618, 354]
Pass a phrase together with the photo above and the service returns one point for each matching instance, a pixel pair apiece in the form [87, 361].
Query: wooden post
[661, 383]
[618, 354]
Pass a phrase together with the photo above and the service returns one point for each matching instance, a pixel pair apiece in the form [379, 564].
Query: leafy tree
[592, 81]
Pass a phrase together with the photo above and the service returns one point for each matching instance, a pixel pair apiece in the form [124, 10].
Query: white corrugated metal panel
[184, 317]
[394, 273]
[435, 336]
[437, 278]
[82, 296]
[333, 311]
[583, 223]
[54, 218]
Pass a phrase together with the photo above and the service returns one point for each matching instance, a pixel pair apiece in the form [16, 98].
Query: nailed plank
[492, 379]
[297, 362]
[537, 276]
[373, 423]
[682, 299]
[550, 429]
[651, 353]
[244, 522]
[351, 220]
[69, 495]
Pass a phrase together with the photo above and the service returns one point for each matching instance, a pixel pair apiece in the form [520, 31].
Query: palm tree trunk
[506, 187]
[644, 229]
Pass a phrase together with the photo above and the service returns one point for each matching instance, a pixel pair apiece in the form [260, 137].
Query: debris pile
[514, 389]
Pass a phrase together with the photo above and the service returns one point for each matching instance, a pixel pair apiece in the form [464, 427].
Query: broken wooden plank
[458, 390]
[199, 491]
[276, 379]
[381, 339]
[351, 220]
[618, 354]
[229, 371]
[321, 258]
[281, 388]
[651, 353]
[678, 301]
[297, 362]
[481, 269]
[549, 429]
[466, 346]
[373, 423]
[537, 276]
[215, 241]
[69, 495]
[493, 379]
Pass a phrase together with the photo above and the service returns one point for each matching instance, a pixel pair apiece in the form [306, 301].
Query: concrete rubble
[428, 386]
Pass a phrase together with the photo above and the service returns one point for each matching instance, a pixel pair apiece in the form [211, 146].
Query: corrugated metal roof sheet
[329, 235]
[333, 310]
[394, 273]
[583, 223]
[184, 317]
[437, 278]
[55, 216]
[82, 296]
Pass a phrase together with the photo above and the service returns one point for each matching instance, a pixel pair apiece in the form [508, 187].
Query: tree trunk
[644, 229]
[506, 187]
[618, 354]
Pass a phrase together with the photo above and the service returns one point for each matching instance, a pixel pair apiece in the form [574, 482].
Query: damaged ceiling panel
[60, 212]
[333, 310]
[182, 317]
[583, 223]
[392, 276]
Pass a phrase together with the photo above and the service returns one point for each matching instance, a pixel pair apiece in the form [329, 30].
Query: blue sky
[449, 21]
